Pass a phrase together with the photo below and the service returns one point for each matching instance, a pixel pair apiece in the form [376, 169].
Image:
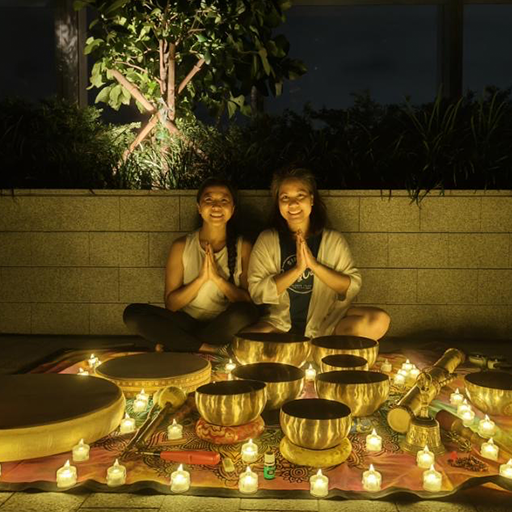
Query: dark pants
[179, 332]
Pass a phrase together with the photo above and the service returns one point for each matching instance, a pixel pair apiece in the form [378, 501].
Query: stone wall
[71, 260]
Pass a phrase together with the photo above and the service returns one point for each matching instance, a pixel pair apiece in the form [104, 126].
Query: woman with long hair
[303, 271]
[206, 298]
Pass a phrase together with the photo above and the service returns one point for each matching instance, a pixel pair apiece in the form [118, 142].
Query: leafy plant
[171, 55]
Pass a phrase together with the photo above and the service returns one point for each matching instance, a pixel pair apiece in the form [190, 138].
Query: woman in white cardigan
[304, 272]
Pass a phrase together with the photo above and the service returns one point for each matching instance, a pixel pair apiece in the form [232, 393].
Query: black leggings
[179, 332]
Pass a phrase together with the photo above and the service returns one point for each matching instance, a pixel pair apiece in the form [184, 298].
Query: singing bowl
[272, 347]
[284, 381]
[490, 391]
[363, 391]
[315, 423]
[232, 402]
[353, 345]
[336, 362]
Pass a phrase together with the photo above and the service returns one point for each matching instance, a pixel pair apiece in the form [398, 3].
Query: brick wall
[70, 261]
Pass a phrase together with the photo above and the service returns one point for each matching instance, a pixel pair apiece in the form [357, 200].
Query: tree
[171, 55]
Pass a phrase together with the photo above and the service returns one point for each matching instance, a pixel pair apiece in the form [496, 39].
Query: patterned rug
[398, 469]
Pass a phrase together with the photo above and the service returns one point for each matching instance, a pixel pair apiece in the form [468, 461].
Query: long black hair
[318, 217]
[231, 232]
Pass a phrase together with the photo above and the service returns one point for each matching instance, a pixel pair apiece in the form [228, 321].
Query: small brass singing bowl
[363, 391]
[232, 402]
[353, 345]
[336, 362]
[490, 391]
[284, 381]
[315, 423]
[272, 347]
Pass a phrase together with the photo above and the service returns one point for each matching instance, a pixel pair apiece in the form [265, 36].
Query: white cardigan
[326, 308]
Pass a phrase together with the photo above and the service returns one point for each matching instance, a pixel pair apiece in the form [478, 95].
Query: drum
[45, 414]
[156, 370]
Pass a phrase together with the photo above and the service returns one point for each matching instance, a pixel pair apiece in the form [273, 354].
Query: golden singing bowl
[343, 362]
[231, 402]
[272, 347]
[315, 423]
[363, 391]
[490, 391]
[284, 381]
[353, 345]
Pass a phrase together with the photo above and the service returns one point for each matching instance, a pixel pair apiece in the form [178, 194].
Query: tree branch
[191, 75]
[147, 128]
[138, 68]
[134, 91]
[171, 78]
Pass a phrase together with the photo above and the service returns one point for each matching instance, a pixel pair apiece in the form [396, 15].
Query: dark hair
[318, 217]
[231, 233]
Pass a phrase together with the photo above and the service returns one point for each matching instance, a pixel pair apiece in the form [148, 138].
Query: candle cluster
[407, 374]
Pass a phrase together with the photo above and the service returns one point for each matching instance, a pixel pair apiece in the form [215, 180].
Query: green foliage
[233, 37]
[57, 145]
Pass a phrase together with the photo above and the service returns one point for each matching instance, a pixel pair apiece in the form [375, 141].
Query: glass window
[28, 56]
[388, 50]
[487, 46]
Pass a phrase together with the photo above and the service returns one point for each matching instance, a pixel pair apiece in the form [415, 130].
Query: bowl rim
[329, 360]
[262, 337]
[303, 405]
[367, 377]
[300, 374]
[240, 387]
[507, 375]
[333, 342]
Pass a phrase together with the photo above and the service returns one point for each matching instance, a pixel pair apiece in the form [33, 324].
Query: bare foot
[159, 347]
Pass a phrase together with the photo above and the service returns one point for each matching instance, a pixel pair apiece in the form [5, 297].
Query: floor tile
[123, 500]
[43, 502]
[4, 496]
[434, 505]
[276, 504]
[198, 504]
[356, 506]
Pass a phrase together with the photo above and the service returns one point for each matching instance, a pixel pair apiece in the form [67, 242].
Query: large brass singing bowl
[284, 381]
[490, 391]
[336, 362]
[315, 423]
[354, 345]
[271, 347]
[363, 391]
[232, 402]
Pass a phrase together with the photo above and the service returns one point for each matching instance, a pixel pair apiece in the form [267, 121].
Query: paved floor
[18, 353]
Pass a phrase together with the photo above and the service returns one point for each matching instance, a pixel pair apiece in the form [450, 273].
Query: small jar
[269, 467]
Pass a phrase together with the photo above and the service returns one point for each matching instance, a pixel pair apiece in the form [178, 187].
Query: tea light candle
[425, 458]
[249, 451]
[310, 373]
[116, 475]
[489, 450]
[139, 405]
[464, 406]
[180, 480]
[248, 482]
[319, 485]
[506, 469]
[456, 398]
[372, 479]
[230, 366]
[81, 451]
[403, 372]
[143, 396]
[373, 442]
[486, 427]
[468, 417]
[386, 366]
[432, 480]
[127, 425]
[175, 430]
[93, 361]
[399, 380]
[66, 475]
[82, 372]
[407, 366]
[413, 374]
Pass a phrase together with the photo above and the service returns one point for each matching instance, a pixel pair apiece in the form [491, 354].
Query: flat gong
[156, 370]
[45, 414]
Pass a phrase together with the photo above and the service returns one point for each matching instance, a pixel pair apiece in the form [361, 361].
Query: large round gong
[45, 414]
[156, 370]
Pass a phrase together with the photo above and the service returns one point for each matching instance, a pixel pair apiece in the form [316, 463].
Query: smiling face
[216, 205]
[295, 203]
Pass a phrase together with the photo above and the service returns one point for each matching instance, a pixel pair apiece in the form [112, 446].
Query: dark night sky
[390, 50]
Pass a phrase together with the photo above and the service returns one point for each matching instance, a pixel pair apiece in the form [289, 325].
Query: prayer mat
[399, 471]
